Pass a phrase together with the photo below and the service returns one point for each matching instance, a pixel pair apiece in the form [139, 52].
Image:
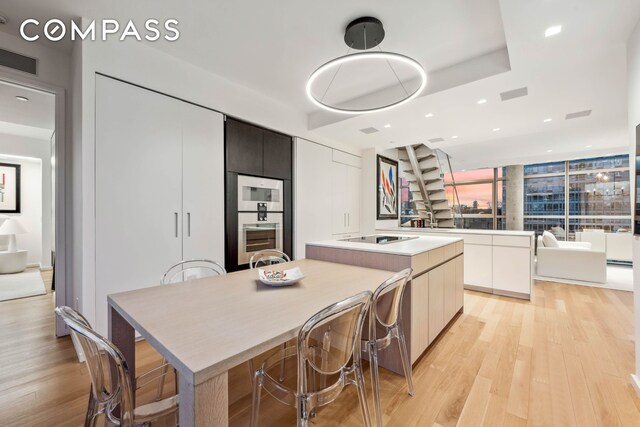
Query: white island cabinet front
[435, 295]
[495, 261]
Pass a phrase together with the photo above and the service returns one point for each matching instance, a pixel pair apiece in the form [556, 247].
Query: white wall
[633, 76]
[368, 213]
[36, 199]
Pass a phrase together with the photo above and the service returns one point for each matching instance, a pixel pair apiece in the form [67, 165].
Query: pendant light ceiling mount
[363, 34]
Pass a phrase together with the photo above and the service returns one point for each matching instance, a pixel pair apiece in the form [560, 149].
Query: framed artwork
[9, 188]
[387, 188]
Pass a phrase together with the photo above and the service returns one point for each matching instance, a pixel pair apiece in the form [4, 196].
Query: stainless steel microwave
[254, 191]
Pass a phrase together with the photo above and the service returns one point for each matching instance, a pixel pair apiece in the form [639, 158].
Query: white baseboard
[635, 381]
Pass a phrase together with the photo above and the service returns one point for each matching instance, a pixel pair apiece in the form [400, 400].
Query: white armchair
[572, 261]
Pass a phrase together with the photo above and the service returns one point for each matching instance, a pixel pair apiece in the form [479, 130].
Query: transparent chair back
[193, 269]
[329, 346]
[268, 257]
[108, 371]
[385, 324]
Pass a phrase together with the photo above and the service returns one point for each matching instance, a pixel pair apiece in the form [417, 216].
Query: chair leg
[92, 410]
[252, 371]
[303, 414]
[282, 363]
[362, 396]
[161, 382]
[255, 402]
[375, 380]
[406, 363]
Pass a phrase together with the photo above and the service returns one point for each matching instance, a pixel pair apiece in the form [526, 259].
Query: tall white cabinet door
[353, 199]
[339, 191]
[202, 183]
[138, 189]
[314, 203]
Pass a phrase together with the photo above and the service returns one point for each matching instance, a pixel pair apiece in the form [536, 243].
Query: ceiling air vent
[516, 93]
[584, 113]
[434, 140]
[369, 130]
[18, 62]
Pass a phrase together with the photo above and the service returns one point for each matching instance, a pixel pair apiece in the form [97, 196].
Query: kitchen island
[496, 261]
[435, 295]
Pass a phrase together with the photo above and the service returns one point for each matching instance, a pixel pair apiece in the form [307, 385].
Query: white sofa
[616, 245]
[571, 261]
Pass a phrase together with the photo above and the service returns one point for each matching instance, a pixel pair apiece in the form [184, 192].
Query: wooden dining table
[207, 326]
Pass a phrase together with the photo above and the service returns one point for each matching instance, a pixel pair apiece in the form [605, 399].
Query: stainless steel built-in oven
[255, 193]
[257, 235]
[260, 216]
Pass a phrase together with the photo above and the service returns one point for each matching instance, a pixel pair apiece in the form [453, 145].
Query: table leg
[205, 404]
[123, 336]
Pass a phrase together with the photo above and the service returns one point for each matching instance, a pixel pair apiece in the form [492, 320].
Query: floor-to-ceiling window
[478, 198]
[565, 197]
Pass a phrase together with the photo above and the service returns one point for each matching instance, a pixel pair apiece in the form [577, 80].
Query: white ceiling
[273, 49]
[32, 119]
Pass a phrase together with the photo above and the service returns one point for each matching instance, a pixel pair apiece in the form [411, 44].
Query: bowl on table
[280, 278]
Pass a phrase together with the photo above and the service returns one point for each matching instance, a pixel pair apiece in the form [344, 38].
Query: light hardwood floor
[564, 359]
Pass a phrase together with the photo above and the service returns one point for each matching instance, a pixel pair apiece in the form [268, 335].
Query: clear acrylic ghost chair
[185, 271]
[268, 257]
[329, 345]
[111, 387]
[192, 269]
[264, 259]
[385, 324]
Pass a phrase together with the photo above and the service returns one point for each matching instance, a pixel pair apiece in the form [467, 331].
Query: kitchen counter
[457, 231]
[412, 247]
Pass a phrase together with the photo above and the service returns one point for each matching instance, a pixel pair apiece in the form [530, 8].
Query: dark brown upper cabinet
[252, 150]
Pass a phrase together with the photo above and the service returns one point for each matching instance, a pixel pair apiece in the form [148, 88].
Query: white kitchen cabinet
[436, 302]
[345, 210]
[353, 202]
[327, 194]
[450, 307]
[419, 316]
[157, 159]
[459, 282]
[511, 270]
[203, 183]
[313, 213]
[477, 265]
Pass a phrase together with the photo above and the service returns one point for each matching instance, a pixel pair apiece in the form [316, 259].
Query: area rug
[21, 285]
[619, 278]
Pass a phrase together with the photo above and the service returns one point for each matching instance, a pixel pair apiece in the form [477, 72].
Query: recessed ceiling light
[22, 98]
[552, 31]
[387, 126]
[454, 137]
[496, 129]
[589, 146]
[482, 101]
[428, 115]
[547, 120]
[549, 151]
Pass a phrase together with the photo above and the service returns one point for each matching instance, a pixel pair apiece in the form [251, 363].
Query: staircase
[423, 172]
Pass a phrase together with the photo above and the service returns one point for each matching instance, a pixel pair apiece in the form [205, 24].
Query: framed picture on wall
[9, 188]
[387, 188]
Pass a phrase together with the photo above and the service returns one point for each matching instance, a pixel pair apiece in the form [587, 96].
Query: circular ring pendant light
[362, 34]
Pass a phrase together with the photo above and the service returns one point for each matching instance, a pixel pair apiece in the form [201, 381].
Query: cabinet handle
[348, 219]
[188, 224]
[344, 220]
[175, 214]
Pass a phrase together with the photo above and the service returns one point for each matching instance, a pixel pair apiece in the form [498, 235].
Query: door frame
[62, 293]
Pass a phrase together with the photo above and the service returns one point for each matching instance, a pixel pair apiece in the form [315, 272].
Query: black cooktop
[379, 240]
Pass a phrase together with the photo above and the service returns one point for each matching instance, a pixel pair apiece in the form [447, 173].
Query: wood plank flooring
[562, 359]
